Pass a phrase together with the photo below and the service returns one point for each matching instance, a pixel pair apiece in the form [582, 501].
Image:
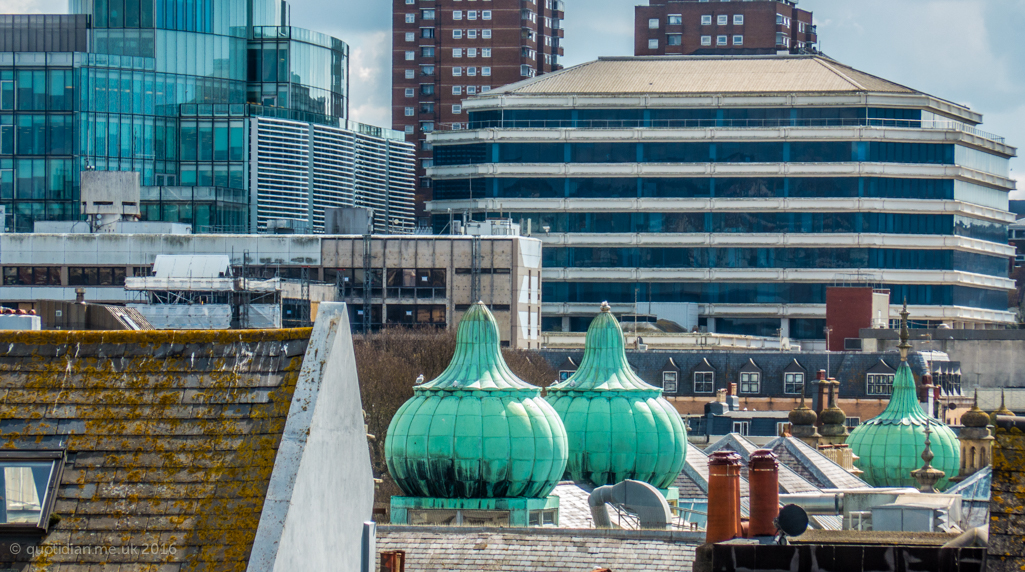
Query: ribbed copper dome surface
[477, 430]
[619, 427]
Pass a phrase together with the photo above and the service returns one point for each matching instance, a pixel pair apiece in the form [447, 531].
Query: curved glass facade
[145, 98]
[693, 187]
[578, 292]
[847, 177]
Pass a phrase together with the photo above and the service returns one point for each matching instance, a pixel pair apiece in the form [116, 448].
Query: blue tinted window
[804, 328]
[531, 152]
[674, 152]
[461, 154]
[768, 293]
[747, 152]
[748, 188]
[747, 326]
[821, 151]
[980, 229]
[931, 153]
[676, 188]
[841, 258]
[909, 188]
[531, 188]
[603, 153]
[812, 187]
[603, 188]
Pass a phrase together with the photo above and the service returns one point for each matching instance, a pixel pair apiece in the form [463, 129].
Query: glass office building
[745, 185]
[172, 89]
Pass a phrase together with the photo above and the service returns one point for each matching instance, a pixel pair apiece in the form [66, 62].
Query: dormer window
[29, 486]
[793, 379]
[750, 378]
[704, 377]
[669, 381]
[879, 379]
[670, 377]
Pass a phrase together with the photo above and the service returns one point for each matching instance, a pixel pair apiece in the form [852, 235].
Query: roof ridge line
[833, 69]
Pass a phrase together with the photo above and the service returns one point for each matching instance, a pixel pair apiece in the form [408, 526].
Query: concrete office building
[232, 117]
[699, 27]
[745, 185]
[446, 50]
[420, 280]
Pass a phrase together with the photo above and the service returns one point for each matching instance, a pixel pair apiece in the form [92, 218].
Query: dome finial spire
[928, 475]
[605, 307]
[904, 346]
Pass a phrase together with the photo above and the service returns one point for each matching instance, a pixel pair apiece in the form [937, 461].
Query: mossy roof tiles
[171, 438]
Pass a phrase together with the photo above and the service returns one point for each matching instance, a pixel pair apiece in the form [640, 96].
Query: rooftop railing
[717, 123]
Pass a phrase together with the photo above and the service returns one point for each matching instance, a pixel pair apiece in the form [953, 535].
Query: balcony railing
[719, 123]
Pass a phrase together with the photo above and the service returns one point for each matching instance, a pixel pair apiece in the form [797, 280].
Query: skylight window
[28, 481]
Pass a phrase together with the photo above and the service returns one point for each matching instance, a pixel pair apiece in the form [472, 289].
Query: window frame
[706, 40]
[706, 19]
[674, 20]
[757, 381]
[737, 37]
[49, 498]
[738, 19]
[722, 20]
[786, 380]
[710, 381]
[721, 40]
[653, 43]
[870, 383]
[670, 385]
[654, 23]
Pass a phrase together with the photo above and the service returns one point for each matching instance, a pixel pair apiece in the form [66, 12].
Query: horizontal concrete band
[825, 276]
[791, 311]
[633, 204]
[840, 169]
[776, 240]
[938, 134]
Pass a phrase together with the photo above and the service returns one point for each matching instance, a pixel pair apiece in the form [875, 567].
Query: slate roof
[848, 367]
[693, 479]
[574, 510]
[456, 549]
[790, 481]
[694, 75]
[813, 466]
[171, 437]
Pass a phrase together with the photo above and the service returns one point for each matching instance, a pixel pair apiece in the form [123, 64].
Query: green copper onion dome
[890, 445]
[477, 431]
[619, 427]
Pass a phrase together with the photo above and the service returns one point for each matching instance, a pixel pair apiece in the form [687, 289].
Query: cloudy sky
[966, 51]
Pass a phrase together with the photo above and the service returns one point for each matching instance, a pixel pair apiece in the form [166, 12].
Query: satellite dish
[792, 520]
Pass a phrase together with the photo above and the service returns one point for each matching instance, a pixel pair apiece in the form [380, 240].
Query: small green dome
[890, 445]
[477, 431]
[619, 427]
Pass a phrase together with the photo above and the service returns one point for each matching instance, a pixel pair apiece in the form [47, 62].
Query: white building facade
[743, 184]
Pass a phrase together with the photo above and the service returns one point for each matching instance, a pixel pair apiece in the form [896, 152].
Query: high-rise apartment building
[447, 50]
[222, 107]
[700, 27]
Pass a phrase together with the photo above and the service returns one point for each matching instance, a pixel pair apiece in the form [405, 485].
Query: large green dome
[477, 431]
[619, 427]
[890, 445]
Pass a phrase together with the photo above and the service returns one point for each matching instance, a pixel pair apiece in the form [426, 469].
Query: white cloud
[33, 6]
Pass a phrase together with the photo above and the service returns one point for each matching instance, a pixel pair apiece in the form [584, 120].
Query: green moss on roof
[172, 436]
